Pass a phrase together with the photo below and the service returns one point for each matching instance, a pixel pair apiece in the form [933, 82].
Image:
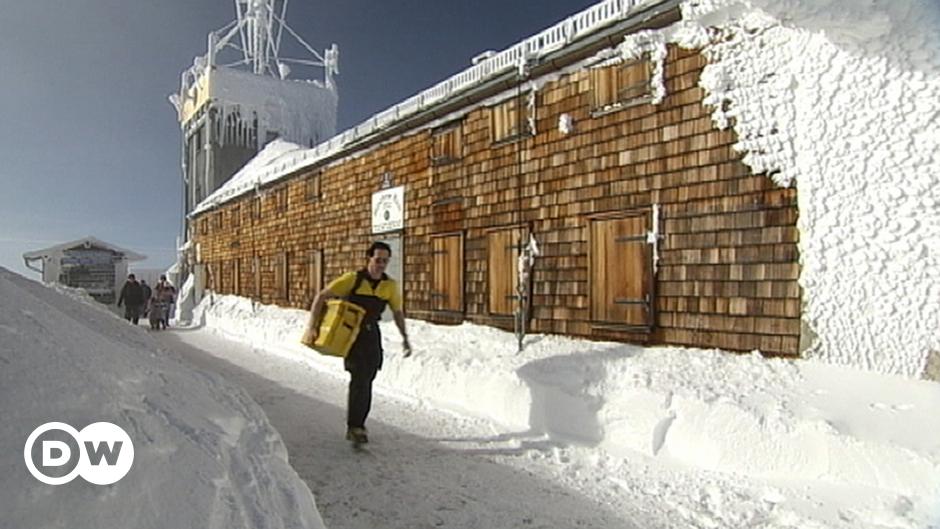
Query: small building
[91, 264]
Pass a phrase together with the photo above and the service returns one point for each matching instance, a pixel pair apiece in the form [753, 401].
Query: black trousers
[360, 396]
[132, 313]
[363, 362]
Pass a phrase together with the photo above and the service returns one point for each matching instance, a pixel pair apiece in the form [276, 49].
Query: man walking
[132, 296]
[371, 289]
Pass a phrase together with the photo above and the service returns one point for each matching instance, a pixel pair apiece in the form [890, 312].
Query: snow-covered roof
[86, 242]
[548, 41]
[268, 165]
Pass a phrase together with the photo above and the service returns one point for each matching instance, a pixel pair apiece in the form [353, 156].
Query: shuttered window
[447, 273]
[215, 277]
[314, 273]
[256, 273]
[225, 277]
[236, 277]
[282, 276]
[256, 208]
[446, 145]
[312, 187]
[502, 254]
[621, 270]
[509, 120]
[621, 85]
[280, 197]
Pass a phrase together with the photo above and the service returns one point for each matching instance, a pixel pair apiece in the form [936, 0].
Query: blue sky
[89, 144]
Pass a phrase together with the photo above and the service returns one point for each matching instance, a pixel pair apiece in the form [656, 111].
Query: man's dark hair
[378, 245]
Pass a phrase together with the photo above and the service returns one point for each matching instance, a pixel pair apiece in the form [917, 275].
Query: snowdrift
[205, 453]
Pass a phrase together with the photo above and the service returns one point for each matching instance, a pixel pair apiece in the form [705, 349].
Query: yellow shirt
[387, 289]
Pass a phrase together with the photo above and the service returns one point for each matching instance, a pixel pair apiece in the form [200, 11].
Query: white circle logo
[102, 453]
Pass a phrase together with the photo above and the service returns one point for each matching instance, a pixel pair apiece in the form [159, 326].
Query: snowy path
[423, 469]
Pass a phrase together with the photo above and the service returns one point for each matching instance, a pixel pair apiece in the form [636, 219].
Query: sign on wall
[388, 210]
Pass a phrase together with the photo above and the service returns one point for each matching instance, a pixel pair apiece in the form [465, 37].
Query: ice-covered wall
[842, 99]
[302, 112]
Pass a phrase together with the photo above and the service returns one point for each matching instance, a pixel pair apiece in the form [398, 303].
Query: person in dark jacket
[372, 290]
[132, 296]
[148, 292]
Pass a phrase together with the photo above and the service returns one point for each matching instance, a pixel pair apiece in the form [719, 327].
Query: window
[256, 272]
[236, 216]
[203, 226]
[312, 187]
[280, 197]
[447, 273]
[236, 277]
[446, 145]
[621, 270]
[224, 279]
[502, 254]
[513, 119]
[282, 276]
[314, 273]
[621, 85]
[256, 208]
[215, 277]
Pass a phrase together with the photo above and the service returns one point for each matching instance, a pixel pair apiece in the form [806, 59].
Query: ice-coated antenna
[256, 35]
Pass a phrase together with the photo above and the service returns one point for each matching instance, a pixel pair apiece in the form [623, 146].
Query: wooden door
[447, 273]
[621, 271]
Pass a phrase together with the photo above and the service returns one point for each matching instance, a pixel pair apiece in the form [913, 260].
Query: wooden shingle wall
[728, 267]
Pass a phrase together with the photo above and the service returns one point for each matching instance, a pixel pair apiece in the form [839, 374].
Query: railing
[542, 43]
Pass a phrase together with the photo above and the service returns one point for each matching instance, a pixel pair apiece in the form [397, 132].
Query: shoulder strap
[360, 276]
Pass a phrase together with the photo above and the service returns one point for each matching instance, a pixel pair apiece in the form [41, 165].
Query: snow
[630, 436]
[205, 454]
[256, 173]
[773, 420]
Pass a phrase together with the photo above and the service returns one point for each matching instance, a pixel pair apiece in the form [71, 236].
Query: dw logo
[102, 453]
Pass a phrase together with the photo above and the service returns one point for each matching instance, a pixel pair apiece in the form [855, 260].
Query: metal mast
[256, 35]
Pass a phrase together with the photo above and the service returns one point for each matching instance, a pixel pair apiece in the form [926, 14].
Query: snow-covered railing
[540, 44]
[549, 40]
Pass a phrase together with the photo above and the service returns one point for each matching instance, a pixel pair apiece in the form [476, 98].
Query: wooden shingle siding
[728, 268]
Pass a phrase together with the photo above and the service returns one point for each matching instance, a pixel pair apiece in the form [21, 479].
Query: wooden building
[651, 230]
